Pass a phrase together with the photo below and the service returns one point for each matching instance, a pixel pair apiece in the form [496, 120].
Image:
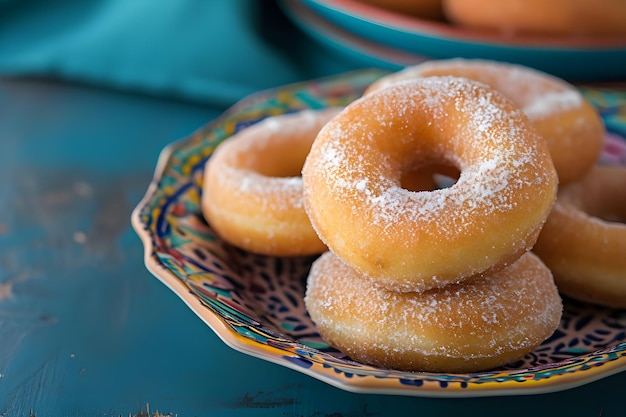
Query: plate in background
[390, 35]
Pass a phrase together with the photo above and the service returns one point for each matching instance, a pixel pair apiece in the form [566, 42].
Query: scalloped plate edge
[275, 355]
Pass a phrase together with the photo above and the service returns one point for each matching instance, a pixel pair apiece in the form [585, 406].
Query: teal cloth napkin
[214, 51]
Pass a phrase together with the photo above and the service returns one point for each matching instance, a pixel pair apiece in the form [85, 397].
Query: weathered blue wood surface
[85, 330]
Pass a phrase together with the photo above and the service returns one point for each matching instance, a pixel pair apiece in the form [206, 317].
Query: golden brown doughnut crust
[584, 240]
[572, 128]
[552, 17]
[412, 241]
[468, 327]
[252, 189]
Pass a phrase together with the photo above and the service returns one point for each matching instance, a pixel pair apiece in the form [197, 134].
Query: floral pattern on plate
[255, 303]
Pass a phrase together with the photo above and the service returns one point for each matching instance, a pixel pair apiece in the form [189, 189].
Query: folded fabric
[214, 51]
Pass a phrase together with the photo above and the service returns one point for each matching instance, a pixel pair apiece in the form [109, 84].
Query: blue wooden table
[86, 330]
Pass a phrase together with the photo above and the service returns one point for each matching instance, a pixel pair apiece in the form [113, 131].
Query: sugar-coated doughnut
[252, 189]
[584, 240]
[477, 325]
[554, 17]
[416, 240]
[571, 126]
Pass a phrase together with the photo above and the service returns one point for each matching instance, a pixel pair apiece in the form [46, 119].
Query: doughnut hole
[430, 177]
[604, 203]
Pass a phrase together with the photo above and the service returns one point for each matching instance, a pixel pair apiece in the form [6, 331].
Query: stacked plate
[391, 40]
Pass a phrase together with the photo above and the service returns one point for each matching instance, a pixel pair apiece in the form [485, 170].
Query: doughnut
[554, 17]
[571, 126]
[584, 239]
[427, 9]
[477, 325]
[252, 189]
[416, 240]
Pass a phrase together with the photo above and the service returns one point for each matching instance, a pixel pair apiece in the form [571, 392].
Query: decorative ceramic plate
[255, 303]
[360, 28]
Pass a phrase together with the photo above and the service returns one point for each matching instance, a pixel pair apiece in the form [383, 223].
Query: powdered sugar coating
[537, 93]
[252, 191]
[257, 187]
[476, 325]
[571, 126]
[553, 102]
[355, 201]
[246, 176]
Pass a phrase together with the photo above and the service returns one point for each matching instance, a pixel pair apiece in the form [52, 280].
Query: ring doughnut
[584, 239]
[557, 110]
[252, 193]
[416, 240]
[477, 325]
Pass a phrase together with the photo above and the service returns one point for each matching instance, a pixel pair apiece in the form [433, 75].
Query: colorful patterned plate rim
[254, 303]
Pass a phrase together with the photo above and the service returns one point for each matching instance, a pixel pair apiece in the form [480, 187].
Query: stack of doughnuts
[415, 275]
[584, 237]
[431, 280]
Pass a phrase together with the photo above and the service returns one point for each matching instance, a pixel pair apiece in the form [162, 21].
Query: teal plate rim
[393, 38]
